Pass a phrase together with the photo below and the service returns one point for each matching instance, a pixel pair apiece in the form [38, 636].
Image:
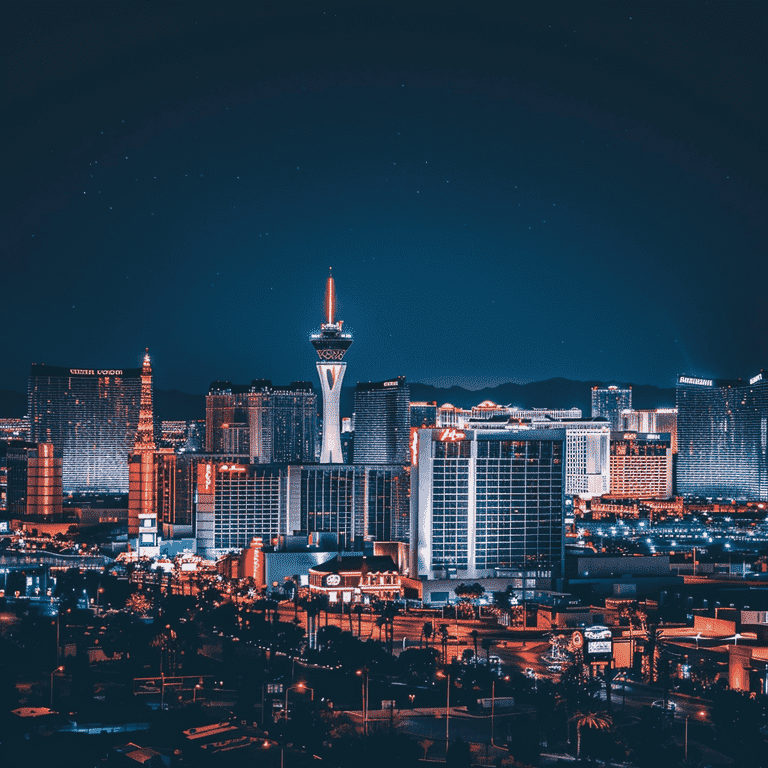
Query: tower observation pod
[331, 344]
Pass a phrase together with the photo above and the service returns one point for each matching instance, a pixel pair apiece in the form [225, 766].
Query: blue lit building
[722, 436]
[382, 422]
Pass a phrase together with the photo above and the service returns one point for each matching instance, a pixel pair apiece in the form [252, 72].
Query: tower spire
[331, 344]
[145, 433]
[330, 298]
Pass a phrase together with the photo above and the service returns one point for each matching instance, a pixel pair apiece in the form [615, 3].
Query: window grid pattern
[246, 507]
[327, 500]
[722, 435]
[518, 505]
[91, 419]
[450, 504]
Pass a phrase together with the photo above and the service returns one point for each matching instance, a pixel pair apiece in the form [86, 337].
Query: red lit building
[356, 579]
[34, 482]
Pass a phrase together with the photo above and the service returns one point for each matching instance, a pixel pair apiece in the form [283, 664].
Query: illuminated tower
[142, 485]
[331, 344]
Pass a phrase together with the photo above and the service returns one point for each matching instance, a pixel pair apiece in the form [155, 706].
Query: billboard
[598, 644]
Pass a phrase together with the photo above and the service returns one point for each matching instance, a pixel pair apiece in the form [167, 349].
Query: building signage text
[700, 382]
[451, 435]
[91, 372]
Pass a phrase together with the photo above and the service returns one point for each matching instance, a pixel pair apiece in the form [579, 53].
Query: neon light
[414, 446]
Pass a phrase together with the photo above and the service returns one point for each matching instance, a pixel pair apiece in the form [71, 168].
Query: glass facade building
[265, 423]
[609, 404]
[722, 432]
[91, 417]
[486, 500]
[236, 501]
[382, 422]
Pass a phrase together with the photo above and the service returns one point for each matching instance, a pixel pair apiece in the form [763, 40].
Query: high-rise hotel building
[722, 438]
[237, 501]
[89, 415]
[610, 402]
[641, 465]
[34, 482]
[262, 422]
[382, 422]
[486, 500]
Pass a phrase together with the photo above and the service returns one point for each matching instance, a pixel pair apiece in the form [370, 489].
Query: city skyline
[503, 195]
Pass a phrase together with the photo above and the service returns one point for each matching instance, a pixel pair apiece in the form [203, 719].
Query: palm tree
[474, 634]
[601, 721]
[487, 644]
[443, 629]
[427, 631]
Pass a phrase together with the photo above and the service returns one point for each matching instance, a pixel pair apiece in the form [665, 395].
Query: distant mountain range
[553, 393]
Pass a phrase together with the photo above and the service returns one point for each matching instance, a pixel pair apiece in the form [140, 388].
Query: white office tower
[331, 344]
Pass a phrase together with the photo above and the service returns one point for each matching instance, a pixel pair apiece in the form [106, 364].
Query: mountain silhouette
[171, 404]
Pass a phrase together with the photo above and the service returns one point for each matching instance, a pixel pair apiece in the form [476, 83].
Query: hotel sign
[91, 372]
[699, 382]
[414, 446]
[205, 478]
[757, 378]
[451, 435]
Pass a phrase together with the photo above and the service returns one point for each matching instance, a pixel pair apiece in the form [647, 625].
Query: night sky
[574, 190]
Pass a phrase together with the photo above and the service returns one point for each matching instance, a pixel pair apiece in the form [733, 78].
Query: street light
[300, 687]
[700, 714]
[194, 692]
[267, 744]
[58, 669]
[364, 674]
[447, 676]
[493, 703]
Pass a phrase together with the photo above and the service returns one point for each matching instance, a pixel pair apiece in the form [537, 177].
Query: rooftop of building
[258, 385]
[687, 380]
[367, 386]
[357, 564]
[41, 369]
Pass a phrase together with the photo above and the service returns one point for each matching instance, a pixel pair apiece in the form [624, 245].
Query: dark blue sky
[571, 190]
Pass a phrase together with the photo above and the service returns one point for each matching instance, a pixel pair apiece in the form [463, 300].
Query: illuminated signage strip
[598, 646]
[451, 435]
[391, 383]
[91, 372]
[757, 378]
[698, 382]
